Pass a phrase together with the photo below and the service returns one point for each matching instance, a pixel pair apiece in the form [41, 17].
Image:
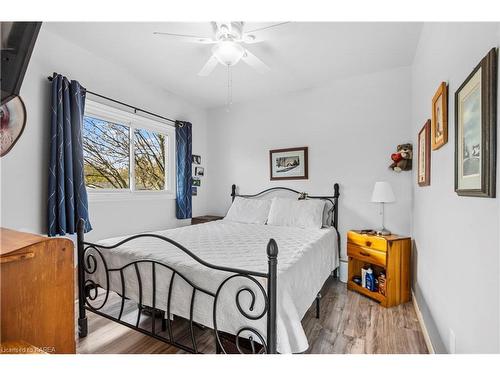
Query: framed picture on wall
[439, 127]
[475, 130]
[424, 155]
[199, 171]
[288, 163]
[196, 159]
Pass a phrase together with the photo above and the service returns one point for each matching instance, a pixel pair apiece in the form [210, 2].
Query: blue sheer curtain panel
[183, 139]
[67, 195]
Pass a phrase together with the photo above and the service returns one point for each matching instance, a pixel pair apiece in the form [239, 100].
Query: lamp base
[383, 232]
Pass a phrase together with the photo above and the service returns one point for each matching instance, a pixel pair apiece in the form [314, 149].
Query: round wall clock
[12, 122]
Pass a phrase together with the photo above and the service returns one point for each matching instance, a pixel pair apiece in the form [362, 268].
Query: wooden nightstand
[205, 219]
[388, 254]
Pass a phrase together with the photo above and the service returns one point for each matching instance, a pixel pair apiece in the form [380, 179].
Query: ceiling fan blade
[209, 66]
[188, 38]
[266, 27]
[255, 62]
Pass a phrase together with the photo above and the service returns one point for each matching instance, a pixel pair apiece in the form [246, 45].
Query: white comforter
[305, 260]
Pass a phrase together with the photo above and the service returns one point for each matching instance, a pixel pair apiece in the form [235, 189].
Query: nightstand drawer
[371, 242]
[367, 255]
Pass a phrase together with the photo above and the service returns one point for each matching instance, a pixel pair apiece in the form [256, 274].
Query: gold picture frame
[439, 124]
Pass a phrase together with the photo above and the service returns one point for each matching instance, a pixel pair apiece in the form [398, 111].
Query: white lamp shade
[382, 192]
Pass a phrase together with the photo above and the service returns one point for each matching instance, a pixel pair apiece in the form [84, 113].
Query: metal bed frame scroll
[94, 297]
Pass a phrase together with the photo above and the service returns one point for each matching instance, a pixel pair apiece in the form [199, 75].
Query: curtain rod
[124, 104]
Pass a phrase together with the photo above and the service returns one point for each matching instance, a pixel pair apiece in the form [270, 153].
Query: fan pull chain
[229, 100]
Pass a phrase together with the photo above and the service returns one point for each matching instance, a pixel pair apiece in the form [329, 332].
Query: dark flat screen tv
[17, 42]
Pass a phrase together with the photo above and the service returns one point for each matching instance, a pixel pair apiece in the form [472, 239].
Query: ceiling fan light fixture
[228, 52]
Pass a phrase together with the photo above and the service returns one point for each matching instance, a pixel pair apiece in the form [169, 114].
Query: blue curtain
[183, 139]
[67, 195]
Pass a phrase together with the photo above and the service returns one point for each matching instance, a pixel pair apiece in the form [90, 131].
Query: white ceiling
[300, 54]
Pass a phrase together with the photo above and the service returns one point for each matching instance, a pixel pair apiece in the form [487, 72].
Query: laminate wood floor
[349, 323]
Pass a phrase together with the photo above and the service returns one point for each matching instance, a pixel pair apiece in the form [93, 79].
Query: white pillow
[296, 213]
[250, 211]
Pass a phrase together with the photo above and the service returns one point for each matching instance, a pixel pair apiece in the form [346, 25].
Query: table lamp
[382, 193]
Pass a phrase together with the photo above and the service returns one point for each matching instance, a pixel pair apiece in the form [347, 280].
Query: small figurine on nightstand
[382, 193]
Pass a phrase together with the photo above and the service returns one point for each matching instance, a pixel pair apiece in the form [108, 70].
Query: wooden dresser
[387, 254]
[37, 291]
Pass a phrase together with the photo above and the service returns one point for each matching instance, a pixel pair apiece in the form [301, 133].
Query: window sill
[115, 196]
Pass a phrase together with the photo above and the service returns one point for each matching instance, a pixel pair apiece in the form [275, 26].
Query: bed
[214, 275]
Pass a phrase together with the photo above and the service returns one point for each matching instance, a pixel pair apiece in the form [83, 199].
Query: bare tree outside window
[149, 157]
[106, 154]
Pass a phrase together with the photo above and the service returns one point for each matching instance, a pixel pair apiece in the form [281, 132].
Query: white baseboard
[420, 318]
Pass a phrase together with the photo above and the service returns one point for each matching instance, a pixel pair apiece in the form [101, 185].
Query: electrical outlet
[451, 342]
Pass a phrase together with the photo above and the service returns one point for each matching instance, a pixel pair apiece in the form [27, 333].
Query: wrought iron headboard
[333, 199]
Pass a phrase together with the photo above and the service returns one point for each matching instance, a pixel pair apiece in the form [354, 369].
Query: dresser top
[12, 240]
[391, 237]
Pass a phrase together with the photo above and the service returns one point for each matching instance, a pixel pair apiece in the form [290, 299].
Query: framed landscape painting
[475, 130]
[424, 155]
[288, 163]
[439, 130]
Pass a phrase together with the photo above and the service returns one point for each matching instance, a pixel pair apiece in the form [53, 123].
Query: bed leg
[82, 327]
[82, 318]
[272, 257]
[163, 321]
[318, 300]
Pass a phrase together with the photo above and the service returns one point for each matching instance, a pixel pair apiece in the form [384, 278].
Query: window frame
[133, 122]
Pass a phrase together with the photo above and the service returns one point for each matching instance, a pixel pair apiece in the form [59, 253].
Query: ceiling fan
[228, 45]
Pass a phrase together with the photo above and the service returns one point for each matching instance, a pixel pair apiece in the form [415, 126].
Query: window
[149, 158]
[124, 152]
[106, 153]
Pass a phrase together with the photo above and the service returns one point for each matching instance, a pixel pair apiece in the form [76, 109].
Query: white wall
[456, 252]
[24, 169]
[351, 128]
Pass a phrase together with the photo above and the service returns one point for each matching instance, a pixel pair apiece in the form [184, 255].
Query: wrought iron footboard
[90, 258]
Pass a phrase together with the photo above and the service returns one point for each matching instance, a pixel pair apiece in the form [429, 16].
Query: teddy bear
[402, 158]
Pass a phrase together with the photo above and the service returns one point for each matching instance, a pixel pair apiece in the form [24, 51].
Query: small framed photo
[475, 130]
[199, 171]
[196, 181]
[194, 190]
[439, 130]
[424, 155]
[288, 164]
[196, 159]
